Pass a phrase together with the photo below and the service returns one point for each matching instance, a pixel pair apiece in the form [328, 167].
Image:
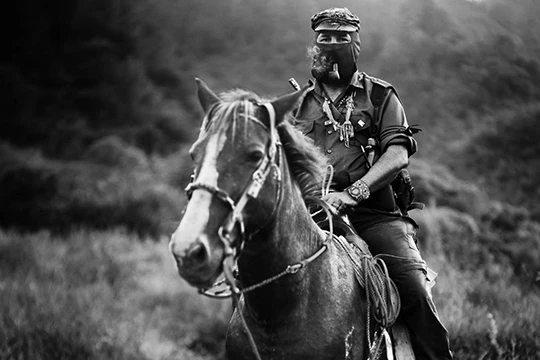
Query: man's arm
[383, 171]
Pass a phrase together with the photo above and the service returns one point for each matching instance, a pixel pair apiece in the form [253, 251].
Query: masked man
[359, 122]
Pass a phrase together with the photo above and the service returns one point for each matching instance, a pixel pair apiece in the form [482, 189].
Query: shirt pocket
[361, 124]
[360, 120]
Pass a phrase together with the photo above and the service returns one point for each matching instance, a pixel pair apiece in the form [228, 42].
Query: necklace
[346, 130]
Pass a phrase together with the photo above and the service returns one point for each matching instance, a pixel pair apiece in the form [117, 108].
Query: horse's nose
[196, 255]
[192, 256]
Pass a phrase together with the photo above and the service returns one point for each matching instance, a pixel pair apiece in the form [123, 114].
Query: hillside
[98, 111]
[80, 72]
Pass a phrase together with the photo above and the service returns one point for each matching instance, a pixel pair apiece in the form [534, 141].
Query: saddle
[370, 271]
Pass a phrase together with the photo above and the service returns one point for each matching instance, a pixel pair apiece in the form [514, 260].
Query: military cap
[336, 19]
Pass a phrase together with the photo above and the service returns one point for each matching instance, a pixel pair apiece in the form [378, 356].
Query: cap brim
[335, 26]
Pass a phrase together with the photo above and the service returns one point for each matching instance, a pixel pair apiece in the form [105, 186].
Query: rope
[372, 275]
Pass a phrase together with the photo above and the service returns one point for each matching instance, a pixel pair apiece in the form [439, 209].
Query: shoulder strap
[379, 91]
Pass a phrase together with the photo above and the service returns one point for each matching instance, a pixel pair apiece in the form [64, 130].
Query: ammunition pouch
[404, 193]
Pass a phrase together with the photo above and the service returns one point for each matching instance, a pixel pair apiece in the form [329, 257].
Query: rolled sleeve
[395, 129]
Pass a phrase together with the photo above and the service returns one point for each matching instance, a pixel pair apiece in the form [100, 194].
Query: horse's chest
[308, 340]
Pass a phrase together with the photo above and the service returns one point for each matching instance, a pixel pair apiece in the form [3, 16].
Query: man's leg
[396, 238]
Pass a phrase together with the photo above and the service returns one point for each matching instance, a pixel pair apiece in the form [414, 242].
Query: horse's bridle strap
[222, 195]
[254, 186]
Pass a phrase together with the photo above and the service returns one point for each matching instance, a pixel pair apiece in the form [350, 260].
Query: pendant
[348, 128]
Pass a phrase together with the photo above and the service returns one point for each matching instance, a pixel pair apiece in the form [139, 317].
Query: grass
[487, 318]
[110, 295]
[101, 295]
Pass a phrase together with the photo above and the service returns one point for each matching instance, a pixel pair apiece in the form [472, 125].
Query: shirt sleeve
[394, 128]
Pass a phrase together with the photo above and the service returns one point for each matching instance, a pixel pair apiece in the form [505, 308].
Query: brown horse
[248, 202]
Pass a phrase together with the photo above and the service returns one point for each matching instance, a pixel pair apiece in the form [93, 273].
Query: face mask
[335, 63]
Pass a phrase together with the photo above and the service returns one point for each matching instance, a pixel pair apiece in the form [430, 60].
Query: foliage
[78, 71]
[146, 312]
[122, 70]
[506, 155]
[42, 193]
[98, 107]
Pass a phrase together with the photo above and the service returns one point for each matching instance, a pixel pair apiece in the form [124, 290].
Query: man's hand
[340, 201]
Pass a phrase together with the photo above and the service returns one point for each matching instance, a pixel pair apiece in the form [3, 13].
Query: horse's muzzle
[194, 262]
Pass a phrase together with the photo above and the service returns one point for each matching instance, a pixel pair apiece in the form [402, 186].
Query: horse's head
[236, 182]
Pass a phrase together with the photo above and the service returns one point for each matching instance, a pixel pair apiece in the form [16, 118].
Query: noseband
[232, 248]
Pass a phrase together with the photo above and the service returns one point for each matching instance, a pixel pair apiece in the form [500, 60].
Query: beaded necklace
[346, 130]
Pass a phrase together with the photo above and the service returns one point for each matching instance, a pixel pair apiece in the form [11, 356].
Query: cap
[335, 19]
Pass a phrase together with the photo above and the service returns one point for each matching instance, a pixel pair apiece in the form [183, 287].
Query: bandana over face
[335, 63]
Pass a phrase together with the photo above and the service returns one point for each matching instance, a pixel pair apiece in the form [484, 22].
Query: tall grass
[490, 310]
[101, 295]
[110, 295]
[487, 318]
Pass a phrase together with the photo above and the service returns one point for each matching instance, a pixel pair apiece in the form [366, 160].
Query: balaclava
[335, 63]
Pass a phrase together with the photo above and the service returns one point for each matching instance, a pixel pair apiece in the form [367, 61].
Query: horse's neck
[292, 238]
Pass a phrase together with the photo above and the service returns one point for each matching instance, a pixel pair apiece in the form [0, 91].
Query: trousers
[395, 240]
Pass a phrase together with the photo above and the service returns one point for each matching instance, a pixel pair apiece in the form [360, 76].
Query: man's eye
[323, 39]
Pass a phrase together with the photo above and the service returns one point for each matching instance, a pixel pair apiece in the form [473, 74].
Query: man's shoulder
[378, 89]
[376, 81]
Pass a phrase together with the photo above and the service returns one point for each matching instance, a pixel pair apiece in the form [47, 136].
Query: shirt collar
[356, 81]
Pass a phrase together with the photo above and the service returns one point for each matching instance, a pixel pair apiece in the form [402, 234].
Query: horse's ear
[207, 98]
[288, 102]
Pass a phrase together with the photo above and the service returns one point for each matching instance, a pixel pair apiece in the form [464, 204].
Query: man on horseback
[358, 121]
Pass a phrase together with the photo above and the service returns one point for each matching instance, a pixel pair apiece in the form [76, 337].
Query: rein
[233, 248]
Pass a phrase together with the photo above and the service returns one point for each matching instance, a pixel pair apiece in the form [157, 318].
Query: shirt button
[329, 131]
[329, 151]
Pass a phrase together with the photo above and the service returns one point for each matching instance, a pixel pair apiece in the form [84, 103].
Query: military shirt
[350, 163]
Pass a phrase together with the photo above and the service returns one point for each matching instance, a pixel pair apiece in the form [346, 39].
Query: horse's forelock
[238, 95]
[307, 163]
[231, 103]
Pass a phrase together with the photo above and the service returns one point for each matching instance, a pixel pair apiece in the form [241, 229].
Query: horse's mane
[306, 163]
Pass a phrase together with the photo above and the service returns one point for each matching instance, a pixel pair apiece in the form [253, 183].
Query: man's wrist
[358, 191]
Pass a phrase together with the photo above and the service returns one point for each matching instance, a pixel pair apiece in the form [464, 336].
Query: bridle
[232, 248]
[272, 162]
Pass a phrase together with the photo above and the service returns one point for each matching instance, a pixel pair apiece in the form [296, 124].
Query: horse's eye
[255, 156]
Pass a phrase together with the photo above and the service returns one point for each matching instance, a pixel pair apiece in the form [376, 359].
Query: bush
[113, 151]
[436, 185]
[41, 193]
[448, 233]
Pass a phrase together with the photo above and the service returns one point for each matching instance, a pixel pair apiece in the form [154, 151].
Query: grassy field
[110, 295]
[101, 295]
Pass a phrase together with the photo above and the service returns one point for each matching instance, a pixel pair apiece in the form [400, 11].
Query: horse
[254, 176]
